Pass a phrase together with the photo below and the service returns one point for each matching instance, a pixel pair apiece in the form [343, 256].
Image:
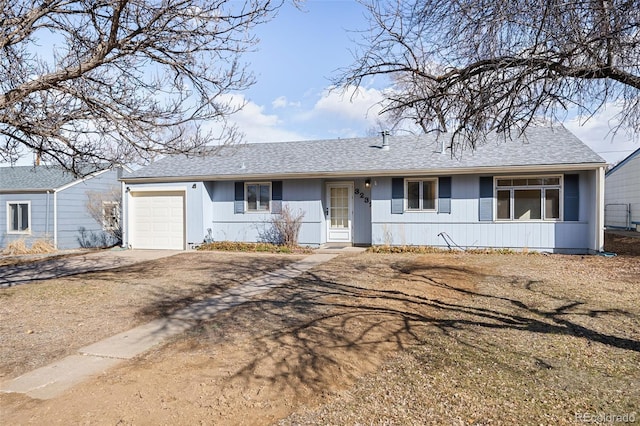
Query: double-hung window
[110, 215]
[258, 196]
[18, 217]
[421, 194]
[528, 198]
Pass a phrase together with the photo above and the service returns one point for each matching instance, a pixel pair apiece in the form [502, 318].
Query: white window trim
[246, 195]
[406, 194]
[511, 188]
[105, 224]
[26, 231]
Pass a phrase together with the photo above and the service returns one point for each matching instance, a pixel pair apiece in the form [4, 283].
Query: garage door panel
[157, 220]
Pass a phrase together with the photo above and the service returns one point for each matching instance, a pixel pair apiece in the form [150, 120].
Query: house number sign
[360, 194]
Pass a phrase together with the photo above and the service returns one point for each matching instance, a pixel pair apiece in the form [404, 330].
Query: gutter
[377, 173]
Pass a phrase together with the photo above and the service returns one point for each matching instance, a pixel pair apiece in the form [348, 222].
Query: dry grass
[19, 247]
[375, 339]
[42, 247]
[16, 247]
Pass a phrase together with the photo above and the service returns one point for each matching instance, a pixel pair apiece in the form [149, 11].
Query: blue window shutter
[571, 197]
[485, 212]
[276, 197]
[239, 197]
[397, 195]
[444, 194]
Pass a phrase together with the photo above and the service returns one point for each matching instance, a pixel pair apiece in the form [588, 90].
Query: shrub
[286, 227]
[251, 247]
[19, 247]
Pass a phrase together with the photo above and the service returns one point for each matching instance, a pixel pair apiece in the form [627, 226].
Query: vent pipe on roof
[385, 141]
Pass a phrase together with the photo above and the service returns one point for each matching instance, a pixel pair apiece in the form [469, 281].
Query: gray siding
[72, 209]
[298, 195]
[211, 205]
[41, 218]
[462, 227]
[71, 212]
[622, 193]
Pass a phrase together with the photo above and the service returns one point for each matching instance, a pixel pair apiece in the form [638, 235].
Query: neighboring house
[622, 194]
[544, 191]
[42, 202]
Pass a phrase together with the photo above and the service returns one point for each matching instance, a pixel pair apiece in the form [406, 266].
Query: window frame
[421, 180]
[27, 230]
[542, 188]
[246, 197]
[106, 225]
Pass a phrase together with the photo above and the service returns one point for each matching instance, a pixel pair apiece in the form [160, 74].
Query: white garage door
[157, 220]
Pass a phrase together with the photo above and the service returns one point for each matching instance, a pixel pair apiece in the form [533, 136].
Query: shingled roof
[23, 178]
[539, 146]
[34, 178]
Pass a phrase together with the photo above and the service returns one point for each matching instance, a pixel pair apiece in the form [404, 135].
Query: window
[524, 198]
[110, 215]
[421, 194]
[258, 197]
[19, 217]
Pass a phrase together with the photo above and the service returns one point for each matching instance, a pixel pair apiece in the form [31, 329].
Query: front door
[339, 212]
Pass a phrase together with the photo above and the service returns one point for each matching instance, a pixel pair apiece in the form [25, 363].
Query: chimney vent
[385, 141]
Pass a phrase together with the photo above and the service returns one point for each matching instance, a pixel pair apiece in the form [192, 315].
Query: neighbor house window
[19, 217]
[421, 194]
[110, 215]
[258, 196]
[526, 198]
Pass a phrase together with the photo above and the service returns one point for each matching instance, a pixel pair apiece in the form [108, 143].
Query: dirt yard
[447, 338]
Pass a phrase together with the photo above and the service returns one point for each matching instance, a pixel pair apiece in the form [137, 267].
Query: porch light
[367, 183]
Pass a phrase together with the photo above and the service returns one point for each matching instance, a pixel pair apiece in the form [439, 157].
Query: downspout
[599, 240]
[124, 215]
[55, 219]
[46, 217]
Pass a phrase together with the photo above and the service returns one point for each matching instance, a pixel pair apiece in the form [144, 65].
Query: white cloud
[598, 132]
[355, 103]
[280, 102]
[256, 124]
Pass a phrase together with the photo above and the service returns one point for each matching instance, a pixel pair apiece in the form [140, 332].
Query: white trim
[55, 219]
[350, 189]
[27, 231]
[125, 213]
[150, 190]
[599, 207]
[542, 188]
[106, 226]
[246, 201]
[557, 168]
[84, 179]
[421, 180]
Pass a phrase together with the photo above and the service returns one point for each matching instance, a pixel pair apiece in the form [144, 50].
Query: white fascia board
[76, 182]
[368, 173]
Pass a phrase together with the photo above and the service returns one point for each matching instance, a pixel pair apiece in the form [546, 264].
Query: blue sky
[300, 51]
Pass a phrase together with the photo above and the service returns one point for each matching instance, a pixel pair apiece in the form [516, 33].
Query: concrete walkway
[52, 380]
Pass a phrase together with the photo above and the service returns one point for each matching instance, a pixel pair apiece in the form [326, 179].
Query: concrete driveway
[71, 265]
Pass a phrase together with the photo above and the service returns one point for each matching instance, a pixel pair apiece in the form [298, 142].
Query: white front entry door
[340, 212]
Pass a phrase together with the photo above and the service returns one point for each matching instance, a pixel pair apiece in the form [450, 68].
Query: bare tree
[471, 67]
[115, 81]
[106, 209]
